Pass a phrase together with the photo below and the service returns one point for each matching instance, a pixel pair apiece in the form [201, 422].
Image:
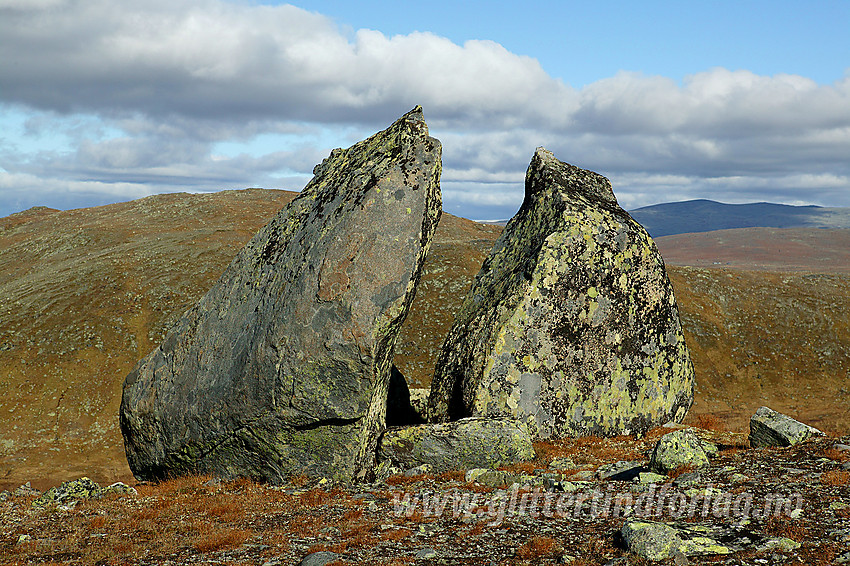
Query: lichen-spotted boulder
[283, 366]
[571, 323]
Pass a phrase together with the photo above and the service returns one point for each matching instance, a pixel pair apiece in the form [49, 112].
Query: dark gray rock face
[571, 325]
[283, 367]
[769, 428]
[463, 444]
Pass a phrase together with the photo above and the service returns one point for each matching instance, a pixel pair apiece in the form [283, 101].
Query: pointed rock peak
[545, 169]
[416, 119]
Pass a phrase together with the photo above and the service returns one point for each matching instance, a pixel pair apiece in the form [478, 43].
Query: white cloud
[143, 94]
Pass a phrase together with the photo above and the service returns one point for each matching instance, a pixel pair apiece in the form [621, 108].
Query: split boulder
[283, 366]
[571, 324]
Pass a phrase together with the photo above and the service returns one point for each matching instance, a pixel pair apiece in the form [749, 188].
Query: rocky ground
[569, 506]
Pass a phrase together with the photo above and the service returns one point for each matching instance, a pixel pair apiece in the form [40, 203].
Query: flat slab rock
[770, 428]
[571, 324]
[464, 444]
[283, 366]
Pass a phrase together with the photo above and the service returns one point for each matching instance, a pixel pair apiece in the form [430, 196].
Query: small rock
[688, 479]
[418, 471]
[319, 558]
[23, 538]
[650, 477]
[846, 465]
[119, 488]
[584, 475]
[425, 553]
[69, 493]
[838, 506]
[769, 428]
[678, 449]
[738, 478]
[842, 447]
[781, 544]
[843, 559]
[562, 464]
[653, 541]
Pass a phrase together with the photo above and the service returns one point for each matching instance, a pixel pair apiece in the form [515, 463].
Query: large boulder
[283, 366]
[571, 324]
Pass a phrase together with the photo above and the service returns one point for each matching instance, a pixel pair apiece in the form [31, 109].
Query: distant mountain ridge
[707, 215]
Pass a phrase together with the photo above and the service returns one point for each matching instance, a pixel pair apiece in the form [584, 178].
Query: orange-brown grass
[782, 527]
[405, 480]
[709, 421]
[539, 547]
[396, 535]
[451, 475]
[836, 478]
[222, 539]
[835, 454]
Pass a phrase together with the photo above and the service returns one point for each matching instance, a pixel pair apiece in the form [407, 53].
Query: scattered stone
[418, 471]
[464, 444]
[70, 492]
[842, 447]
[562, 464]
[738, 478]
[571, 324]
[119, 488]
[662, 541]
[319, 558]
[650, 477]
[769, 428]
[283, 367]
[678, 449]
[781, 544]
[584, 475]
[425, 553]
[688, 479]
[23, 539]
[843, 559]
[620, 471]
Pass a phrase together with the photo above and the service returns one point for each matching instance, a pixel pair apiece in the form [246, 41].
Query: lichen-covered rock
[467, 443]
[769, 428]
[283, 366]
[571, 324]
[678, 449]
[661, 541]
[76, 490]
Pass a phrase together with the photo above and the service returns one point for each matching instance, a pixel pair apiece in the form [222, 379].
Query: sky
[736, 101]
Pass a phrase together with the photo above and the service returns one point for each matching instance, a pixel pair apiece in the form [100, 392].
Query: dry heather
[202, 520]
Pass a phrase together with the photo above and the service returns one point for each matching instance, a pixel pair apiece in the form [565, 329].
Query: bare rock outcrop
[571, 325]
[283, 366]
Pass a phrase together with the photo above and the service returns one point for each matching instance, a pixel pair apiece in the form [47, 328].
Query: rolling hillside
[706, 215]
[86, 293]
